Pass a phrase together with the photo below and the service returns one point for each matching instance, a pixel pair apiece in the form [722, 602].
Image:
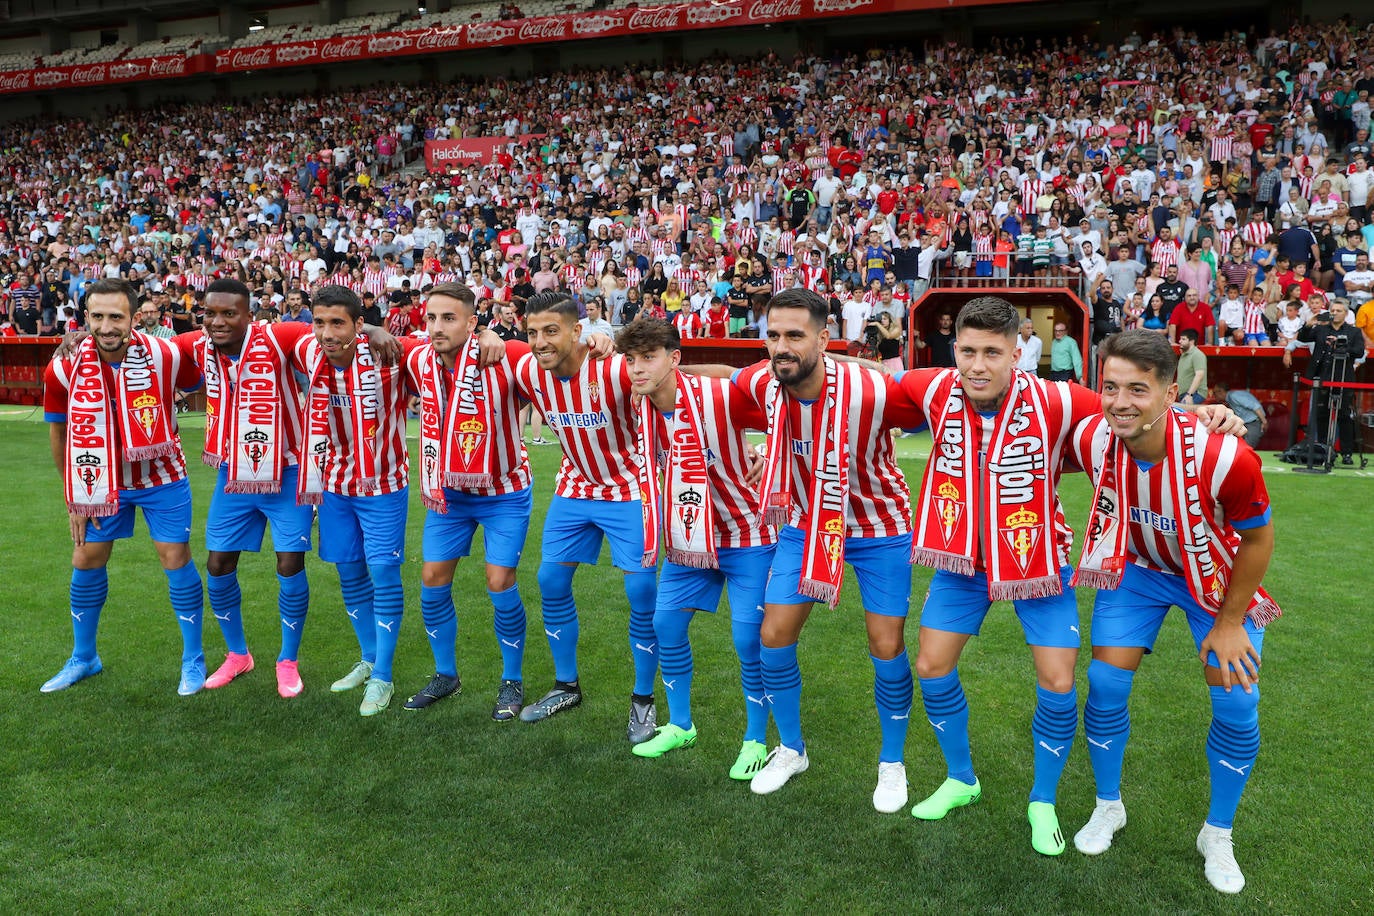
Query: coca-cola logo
[127, 71]
[85, 76]
[767, 10]
[387, 44]
[339, 50]
[167, 66]
[708, 14]
[596, 23]
[15, 80]
[543, 29]
[440, 39]
[655, 20]
[257, 57]
[489, 33]
[838, 6]
[290, 54]
[45, 78]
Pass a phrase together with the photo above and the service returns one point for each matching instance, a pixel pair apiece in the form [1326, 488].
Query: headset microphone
[1151, 425]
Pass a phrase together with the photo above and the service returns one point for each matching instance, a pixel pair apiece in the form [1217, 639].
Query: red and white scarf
[827, 501]
[364, 416]
[1004, 510]
[690, 539]
[1208, 549]
[143, 426]
[456, 434]
[245, 419]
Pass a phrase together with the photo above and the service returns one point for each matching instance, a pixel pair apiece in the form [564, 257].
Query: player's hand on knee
[1236, 656]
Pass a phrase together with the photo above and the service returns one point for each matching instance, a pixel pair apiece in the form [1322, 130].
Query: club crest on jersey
[88, 470]
[832, 538]
[594, 393]
[689, 504]
[1022, 534]
[471, 434]
[146, 410]
[256, 447]
[951, 507]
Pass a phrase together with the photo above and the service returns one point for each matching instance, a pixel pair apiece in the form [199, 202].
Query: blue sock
[88, 591]
[188, 603]
[388, 604]
[1232, 745]
[642, 590]
[508, 620]
[293, 600]
[357, 595]
[1052, 729]
[782, 684]
[226, 603]
[675, 655]
[892, 691]
[441, 626]
[947, 710]
[560, 618]
[744, 629]
[1107, 724]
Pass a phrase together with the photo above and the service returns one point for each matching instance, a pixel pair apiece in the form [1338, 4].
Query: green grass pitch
[122, 797]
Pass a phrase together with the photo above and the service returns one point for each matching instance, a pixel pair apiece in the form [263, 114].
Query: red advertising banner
[443, 155]
[572, 27]
[105, 73]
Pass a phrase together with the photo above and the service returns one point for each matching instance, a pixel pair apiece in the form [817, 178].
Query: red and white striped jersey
[1220, 149]
[983, 245]
[879, 504]
[1164, 253]
[284, 336]
[783, 278]
[787, 242]
[725, 414]
[1067, 404]
[594, 421]
[747, 236]
[1228, 469]
[1224, 237]
[393, 395]
[510, 467]
[1255, 234]
[688, 323]
[1254, 318]
[814, 278]
[173, 370]
[572, 276]
[633, 276]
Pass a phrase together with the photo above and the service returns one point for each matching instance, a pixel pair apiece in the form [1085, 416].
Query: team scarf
[456, 440]
[828, 498]
[364, 416]
[243, 421]
[1006, 509]
[1208, 548]
[139, 422]
[690, 538]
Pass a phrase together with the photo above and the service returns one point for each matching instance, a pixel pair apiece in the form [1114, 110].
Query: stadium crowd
[1241, 163]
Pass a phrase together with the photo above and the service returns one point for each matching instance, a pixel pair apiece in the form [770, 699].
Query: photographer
[1336, 349]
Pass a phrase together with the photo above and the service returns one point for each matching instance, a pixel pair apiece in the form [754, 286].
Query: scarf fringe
[456, 480]
[252, 487]
[1265, 612]
[150, 452]
[210, 459]
[820, 591]
[435, 505]
[94, 511]
[695, 559]
[309, 498]
[938, 559]
[650, 559]
[1025, 589]
[1098, 579]
[776, 515]
[369, 485]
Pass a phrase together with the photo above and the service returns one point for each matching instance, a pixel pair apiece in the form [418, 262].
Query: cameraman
[1337, 348]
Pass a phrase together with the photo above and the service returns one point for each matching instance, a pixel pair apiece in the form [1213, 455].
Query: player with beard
[691, 429]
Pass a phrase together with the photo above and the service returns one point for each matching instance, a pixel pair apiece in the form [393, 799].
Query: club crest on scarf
[832, 539]
[950, 505]
[689, 504]
[257, 446]
[145, 411]
[1022, 533]
[472, 433]
[88, 470]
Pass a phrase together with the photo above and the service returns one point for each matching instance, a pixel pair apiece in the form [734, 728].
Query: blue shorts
[505, 520]
[166, 510]
[371, 529]
[1257, 340]
[573, 529]
[982, 267]
[237, 520]
[959, 604]
[1132, 613]
[743, 569]
[882, 566]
